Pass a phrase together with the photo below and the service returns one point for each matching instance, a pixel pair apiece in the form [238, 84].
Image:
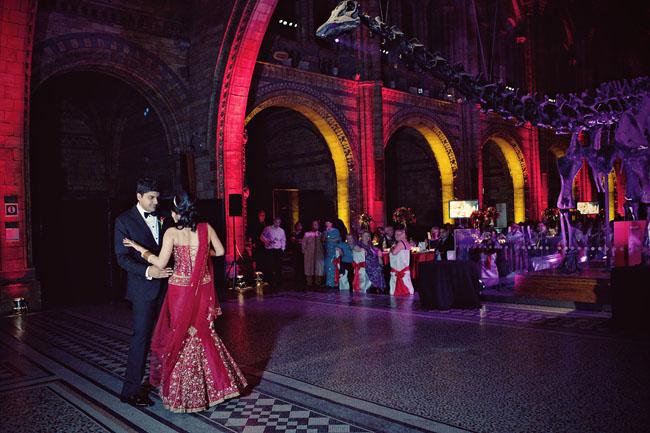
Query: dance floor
[329, 362]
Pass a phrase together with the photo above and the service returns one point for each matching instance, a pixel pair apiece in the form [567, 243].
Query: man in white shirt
[275, 241]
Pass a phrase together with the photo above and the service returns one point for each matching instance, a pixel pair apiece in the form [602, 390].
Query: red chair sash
[356, 284]
[400, 286]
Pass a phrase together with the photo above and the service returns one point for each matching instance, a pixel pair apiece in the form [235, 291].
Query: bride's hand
[129, 243]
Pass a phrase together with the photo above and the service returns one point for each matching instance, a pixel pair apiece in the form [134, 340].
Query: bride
[189, 362]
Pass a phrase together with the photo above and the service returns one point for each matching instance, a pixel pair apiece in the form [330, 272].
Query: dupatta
[170, 333]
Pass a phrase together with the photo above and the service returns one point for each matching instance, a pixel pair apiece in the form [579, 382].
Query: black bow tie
[146, 214]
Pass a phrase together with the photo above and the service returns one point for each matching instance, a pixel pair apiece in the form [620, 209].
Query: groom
[145, 284]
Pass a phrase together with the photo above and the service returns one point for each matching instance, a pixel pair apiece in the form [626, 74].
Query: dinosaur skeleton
[614, 118]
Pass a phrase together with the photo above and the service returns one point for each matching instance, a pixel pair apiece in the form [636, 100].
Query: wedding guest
[312, 250]
[446, 241]
[374, 265]
[259, 251]
[275, 242]
[400, 274]
[434, 238]
[331, 238]
[345, 252]
[388, 239]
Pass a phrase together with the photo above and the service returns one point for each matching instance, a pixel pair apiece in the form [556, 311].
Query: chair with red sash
[361, 281]
[400, 275]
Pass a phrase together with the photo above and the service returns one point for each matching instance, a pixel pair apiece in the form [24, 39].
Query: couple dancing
[189, 362]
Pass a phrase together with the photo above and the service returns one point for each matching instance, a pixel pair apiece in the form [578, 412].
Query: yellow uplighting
[326, 125]
[512, 156]
[612, 183]
[434, 136]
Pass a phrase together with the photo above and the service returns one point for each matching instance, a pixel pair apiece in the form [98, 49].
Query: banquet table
[443, 285]
[416, 260]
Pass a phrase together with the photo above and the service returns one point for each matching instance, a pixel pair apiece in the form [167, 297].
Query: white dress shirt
[152, 223]
[276, 239]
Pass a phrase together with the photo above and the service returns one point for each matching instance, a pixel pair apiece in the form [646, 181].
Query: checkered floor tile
[261, 413]
[254, 413]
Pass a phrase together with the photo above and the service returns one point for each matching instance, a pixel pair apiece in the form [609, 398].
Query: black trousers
[144, 319]
[274, 266]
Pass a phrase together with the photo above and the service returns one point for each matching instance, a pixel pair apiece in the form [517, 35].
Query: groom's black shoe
[137, 400]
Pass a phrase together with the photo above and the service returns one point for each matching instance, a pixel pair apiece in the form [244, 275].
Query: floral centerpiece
[484, 218]
[551, 217]
[403, 216]
[364, 221]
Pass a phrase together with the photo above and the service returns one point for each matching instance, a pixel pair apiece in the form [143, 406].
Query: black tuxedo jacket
[131, 225]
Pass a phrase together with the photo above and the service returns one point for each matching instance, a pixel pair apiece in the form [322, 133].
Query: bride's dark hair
[184, 206]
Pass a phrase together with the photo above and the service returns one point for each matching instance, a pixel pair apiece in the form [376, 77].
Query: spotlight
[280, 22]
[290, 24]
[336, 40]
[296, 25]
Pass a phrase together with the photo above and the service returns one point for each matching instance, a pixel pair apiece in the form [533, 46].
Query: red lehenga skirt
[205, 373]
[189, 362]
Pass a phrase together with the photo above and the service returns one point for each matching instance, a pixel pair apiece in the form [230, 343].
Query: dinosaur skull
[344, 17]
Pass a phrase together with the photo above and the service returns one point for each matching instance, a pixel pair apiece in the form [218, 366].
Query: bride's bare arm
[215, 242]
[161, 260]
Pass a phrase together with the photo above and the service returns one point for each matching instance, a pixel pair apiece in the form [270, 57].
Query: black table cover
[443, 285]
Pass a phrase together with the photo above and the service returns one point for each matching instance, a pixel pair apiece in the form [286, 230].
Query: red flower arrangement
[364, 221]
[484, 217]
[403, 216]
[551, 216]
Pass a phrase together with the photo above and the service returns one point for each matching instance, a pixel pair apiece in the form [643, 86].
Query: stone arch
[440, 147]
[122, 59]
[232, 78]
[333, 134]
[516, 167]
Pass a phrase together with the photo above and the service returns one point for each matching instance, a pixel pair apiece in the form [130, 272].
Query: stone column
[17, 278]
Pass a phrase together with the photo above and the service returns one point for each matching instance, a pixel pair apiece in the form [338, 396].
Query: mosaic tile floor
[331, 362]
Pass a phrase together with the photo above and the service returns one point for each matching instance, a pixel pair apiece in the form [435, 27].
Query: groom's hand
[154, 272]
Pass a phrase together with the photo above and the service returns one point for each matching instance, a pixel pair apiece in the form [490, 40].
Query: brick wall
[16, 18]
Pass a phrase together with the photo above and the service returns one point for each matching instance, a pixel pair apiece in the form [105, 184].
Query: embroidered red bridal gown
[189, 362]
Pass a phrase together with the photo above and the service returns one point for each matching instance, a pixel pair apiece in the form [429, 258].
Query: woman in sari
[331, 239]
[189, 362]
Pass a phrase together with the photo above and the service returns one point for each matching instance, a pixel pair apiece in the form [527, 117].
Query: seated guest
[331, 238]
[344, 250]
[434, 237]
[361, 282]
[446, 242]
[388, 239]
[374, 264]
[312, 250]
[400, 257]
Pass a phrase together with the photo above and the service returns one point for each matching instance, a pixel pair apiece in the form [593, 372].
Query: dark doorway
[413, 178]
[289, 169]
[497, 183]
[91, 137]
